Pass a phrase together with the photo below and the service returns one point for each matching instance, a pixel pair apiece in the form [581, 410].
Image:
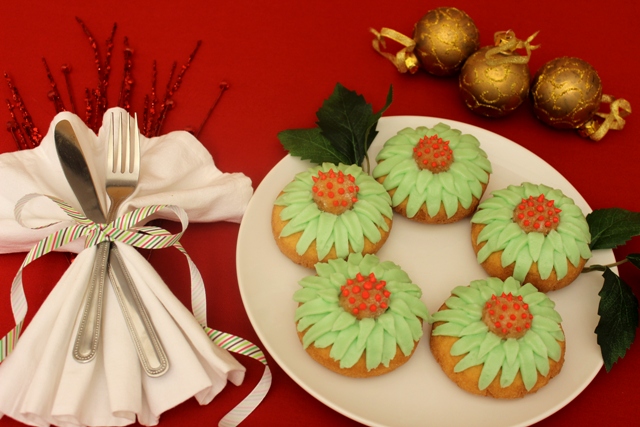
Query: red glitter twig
[97, 104]
[66, 70]
[127, 78]
[54, 94]
[88, 105]
[15, 129]
[224, 86]
[168, 102]
[31, 132]
[150, 104]
[104, 83]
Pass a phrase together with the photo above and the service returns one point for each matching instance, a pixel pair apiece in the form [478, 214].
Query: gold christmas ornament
[442, 40]
[494, 81]
[566, 93]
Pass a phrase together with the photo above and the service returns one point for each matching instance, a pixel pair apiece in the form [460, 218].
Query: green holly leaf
[612, 227]
[346, 129]
[618, 310]
[634, 259]
[310, 144]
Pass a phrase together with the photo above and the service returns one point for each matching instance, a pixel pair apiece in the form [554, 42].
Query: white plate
[437, 258]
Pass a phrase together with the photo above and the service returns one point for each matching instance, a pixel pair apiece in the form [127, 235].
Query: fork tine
[126, 147]
[110, 142]
[118, 144]
[135, 166]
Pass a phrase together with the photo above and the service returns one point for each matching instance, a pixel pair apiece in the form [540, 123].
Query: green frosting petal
[366, 326]
[422, 181]
[320, 328]
[535, 241]
[471, 359]
[510, 232]
[545, 260]
[489, 343]
[375, 341]
[571, 249]
[404, 337]
[469, 295]
[523, 264]
[383, 168]
[528, 368]
[467, 343]
[534, 341]
[343, 342]
[387, 322]
[474, 328]
[309, 320]
[553, 348]
[305, 294]
[326, 339]
[354, 228]
[389, 348]
[316, 306]
[542, 364]
[509, 372]
[454, 316]
[491, 367]
[560, 264]
[343, 321]
[511, 350]
[448, 329]
[324, 238]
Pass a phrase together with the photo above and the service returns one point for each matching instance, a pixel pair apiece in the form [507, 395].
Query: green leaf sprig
[618, 308]
[346, 129]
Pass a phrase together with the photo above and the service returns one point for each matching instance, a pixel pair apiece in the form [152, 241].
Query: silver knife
[146, 341]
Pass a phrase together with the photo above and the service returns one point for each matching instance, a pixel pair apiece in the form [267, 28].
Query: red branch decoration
[155, 111]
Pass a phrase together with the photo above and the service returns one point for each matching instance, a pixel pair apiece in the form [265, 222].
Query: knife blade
[78, 175]
[150, 351]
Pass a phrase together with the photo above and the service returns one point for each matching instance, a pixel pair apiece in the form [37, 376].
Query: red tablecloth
[282, 59]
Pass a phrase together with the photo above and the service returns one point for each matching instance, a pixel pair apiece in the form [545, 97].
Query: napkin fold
[40, 382]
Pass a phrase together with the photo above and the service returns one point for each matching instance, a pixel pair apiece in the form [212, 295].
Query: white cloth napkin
[40, 382]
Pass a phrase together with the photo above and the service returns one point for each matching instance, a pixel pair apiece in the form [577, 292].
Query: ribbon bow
[596, 129]
[506, 43]
[404, 60]
[124, 229]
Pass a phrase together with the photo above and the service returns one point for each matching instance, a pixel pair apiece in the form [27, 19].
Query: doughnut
[531, 232]
[499, 339]
[433, 175]
[359, 317]
[330, 211]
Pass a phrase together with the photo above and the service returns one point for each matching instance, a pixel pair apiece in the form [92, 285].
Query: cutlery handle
[150, 351]
[87, 338]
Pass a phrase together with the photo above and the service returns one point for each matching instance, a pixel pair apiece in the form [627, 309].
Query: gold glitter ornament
[566, 92]
[442, 40]
[494, 81]
[445, 37]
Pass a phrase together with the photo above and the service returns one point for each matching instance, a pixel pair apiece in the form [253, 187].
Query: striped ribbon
[124, 229]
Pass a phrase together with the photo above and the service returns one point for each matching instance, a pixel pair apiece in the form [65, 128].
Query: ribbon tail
[614, 120]
[241, 346]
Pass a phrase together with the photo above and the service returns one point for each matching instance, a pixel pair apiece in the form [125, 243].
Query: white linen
[40, 382]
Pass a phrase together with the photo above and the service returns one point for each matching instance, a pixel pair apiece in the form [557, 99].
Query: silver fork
[123, 171]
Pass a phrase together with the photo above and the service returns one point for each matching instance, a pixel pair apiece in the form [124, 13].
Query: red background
[282, 59]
